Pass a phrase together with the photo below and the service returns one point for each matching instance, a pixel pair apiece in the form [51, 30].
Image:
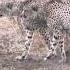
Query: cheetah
[58, 14]
[58, 41]
[59, 21]
[34, 19]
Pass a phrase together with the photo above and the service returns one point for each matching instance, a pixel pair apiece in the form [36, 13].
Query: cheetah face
[34, 18]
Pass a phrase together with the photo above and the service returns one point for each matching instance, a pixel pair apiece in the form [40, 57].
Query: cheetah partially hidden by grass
[56, 17]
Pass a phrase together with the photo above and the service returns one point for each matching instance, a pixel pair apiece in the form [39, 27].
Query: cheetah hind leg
[63, 55]
[51, 52]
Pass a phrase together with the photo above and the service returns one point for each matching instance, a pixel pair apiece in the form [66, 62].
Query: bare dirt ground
[7, 62]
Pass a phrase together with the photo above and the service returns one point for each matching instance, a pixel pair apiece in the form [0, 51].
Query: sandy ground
[7, 62]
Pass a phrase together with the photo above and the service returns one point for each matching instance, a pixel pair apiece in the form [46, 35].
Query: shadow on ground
[7, 62]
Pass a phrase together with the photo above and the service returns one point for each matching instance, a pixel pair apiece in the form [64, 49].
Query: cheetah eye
[34, 8]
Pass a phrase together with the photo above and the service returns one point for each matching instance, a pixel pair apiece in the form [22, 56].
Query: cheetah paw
[18, 58]
[45, 59]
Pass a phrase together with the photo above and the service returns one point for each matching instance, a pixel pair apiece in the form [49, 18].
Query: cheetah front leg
[28, 43]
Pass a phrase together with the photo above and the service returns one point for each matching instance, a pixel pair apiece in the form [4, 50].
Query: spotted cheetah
[34, 19]
[59, 21]
[57, 41]
[37, 17]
